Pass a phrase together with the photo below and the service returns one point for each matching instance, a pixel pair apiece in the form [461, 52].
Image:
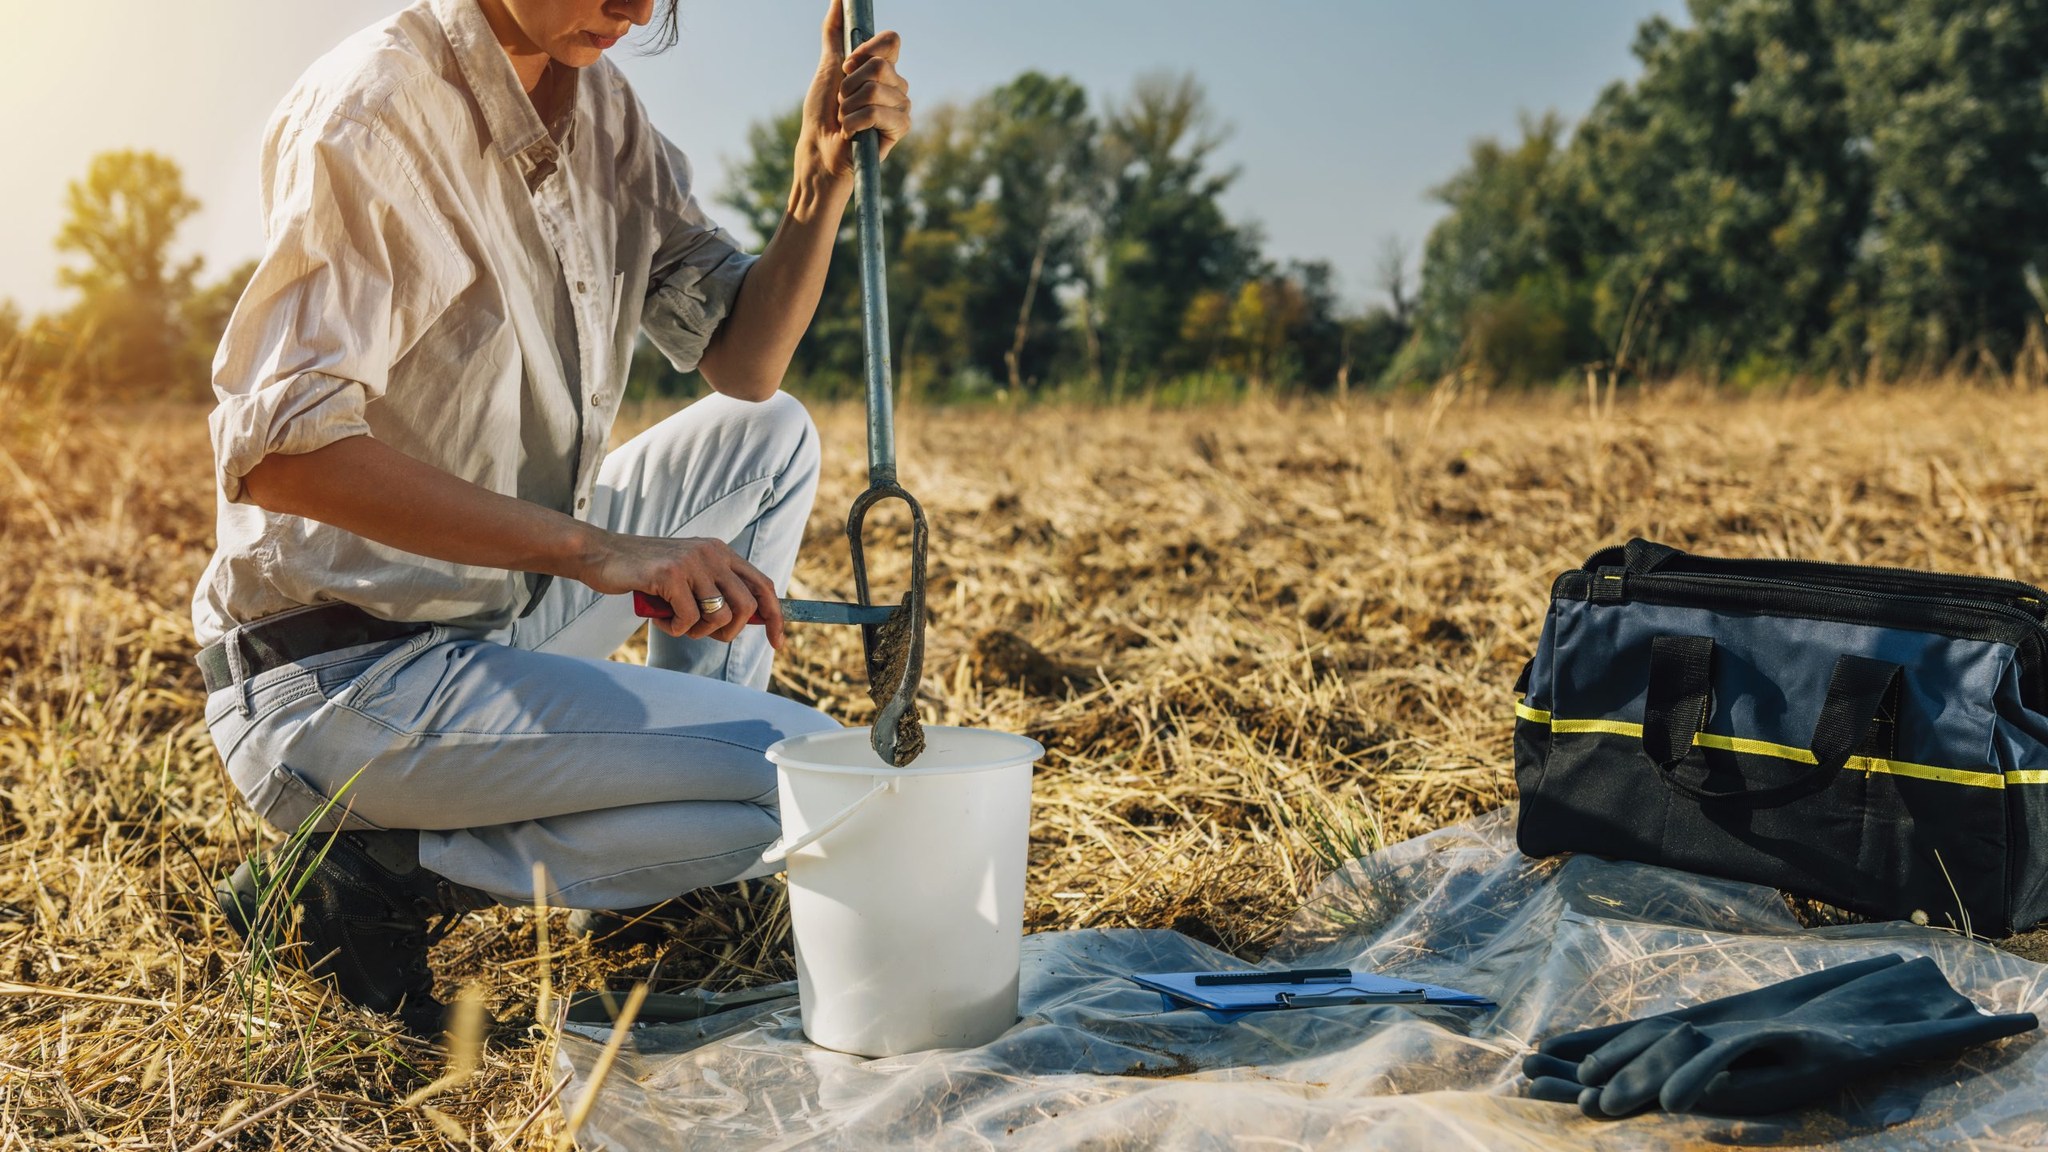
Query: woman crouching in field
[424, 547]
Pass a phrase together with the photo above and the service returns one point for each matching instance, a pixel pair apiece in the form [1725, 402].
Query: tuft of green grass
[281, 875]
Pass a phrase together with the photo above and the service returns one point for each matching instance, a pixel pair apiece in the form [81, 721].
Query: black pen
[1297, 976]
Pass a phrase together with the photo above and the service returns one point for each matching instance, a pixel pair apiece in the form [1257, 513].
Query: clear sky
[1345, 112]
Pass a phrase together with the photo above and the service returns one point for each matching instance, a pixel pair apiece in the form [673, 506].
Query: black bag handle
[1635, 558]
[1680, 695]
[1861, 693]
[1640, 555]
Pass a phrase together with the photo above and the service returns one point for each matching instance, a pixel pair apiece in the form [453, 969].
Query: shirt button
[598, 400]
[579, 287]
[581, 501]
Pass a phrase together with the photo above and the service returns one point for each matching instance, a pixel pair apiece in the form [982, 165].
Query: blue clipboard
[1228, 995]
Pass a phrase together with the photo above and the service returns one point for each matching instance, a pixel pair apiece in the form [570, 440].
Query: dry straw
[1254, 640]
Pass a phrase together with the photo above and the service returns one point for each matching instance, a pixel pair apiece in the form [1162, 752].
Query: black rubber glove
[1769, 1050]
[1553, 1069]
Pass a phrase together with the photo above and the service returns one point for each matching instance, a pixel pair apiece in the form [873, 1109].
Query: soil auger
[891, 637]
[895, 647]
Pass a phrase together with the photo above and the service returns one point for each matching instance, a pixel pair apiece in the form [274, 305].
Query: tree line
[1844, 189]
[1832, 188]
[1036, 242]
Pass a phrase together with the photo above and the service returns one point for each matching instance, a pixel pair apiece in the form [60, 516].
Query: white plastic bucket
[906, 886]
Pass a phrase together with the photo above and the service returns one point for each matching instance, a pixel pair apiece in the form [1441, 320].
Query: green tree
[1164, 238]
[1949, 102]
[1494, 290]
[123, 218]
[1029, 238]
[932, 283]
[1369, 344]
[1277, 329]
[1825, 185]
[1036, 160]
[1317, 343]
[1713, 204]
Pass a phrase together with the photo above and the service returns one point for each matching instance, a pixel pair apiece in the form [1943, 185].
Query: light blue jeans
[630, 784]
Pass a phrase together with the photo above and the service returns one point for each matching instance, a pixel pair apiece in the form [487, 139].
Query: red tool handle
[648, 606]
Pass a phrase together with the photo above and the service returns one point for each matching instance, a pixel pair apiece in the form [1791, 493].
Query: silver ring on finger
[711, 605]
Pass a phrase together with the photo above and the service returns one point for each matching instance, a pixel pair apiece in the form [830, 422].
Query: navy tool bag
[1875, 738]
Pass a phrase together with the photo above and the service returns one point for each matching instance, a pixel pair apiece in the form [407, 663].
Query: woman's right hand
[685, 571]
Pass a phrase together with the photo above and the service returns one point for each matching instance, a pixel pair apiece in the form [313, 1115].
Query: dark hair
[664, 30]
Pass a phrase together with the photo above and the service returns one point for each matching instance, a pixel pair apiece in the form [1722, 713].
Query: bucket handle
[779, 851]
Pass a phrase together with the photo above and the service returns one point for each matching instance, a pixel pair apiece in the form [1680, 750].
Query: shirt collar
[508, 113]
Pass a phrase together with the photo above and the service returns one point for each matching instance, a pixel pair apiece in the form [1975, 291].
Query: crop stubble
[1253, 640]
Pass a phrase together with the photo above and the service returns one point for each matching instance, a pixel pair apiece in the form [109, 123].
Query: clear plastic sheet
[1096, 1064]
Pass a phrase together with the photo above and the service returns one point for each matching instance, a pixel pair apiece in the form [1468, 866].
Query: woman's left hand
[849, 94]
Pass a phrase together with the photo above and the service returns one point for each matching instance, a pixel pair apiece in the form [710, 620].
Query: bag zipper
[1863, 577]
[1959, 617]
[1893, 581]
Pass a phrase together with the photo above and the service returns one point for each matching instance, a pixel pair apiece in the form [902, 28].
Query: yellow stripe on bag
[1609, 727]
[1930, 772]
[1748, 747]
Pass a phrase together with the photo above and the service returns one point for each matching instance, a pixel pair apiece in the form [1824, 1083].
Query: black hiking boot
[365, 904]
[240, 895]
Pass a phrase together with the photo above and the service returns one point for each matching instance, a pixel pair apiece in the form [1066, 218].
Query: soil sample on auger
[895, 656]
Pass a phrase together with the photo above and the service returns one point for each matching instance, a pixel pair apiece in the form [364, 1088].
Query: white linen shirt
[446, 273]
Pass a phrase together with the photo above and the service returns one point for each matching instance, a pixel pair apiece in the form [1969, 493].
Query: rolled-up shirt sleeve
[356, 265]
[697, 270]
